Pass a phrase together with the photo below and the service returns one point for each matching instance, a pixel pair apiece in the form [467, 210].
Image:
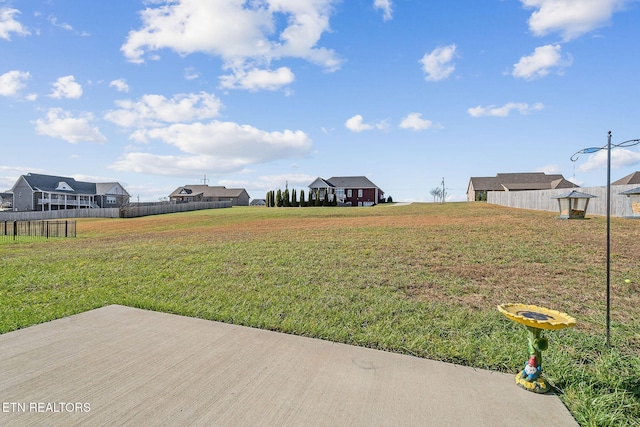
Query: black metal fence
[19, 230]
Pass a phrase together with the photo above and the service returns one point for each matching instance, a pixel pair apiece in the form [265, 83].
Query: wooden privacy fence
[14, 230]
[60, 214]
[144, 209]
[543, 200]
[130, 211]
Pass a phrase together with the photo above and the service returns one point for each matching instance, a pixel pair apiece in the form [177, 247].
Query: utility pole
[444, 193]
[204, 180]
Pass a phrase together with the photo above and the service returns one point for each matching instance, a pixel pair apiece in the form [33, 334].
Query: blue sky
[262, 93]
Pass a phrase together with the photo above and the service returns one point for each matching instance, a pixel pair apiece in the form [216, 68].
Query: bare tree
[436, 193]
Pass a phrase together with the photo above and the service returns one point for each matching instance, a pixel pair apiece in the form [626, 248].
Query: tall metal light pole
[592, 150]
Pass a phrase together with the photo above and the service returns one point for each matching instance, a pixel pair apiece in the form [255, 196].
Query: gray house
[36, 192]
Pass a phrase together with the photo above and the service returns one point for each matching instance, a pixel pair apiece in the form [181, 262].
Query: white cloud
[12, 82]
[120, 85]
[385, 7]
[356, 124]
[54, 21]
[540, 62]
[550, 169]
[66, 87]
[147, 163]
[156, 110]
[190, 73]
[505, 110]
[10, 174]
[620, 157]
[272, 182]
[246, 35]
[437, 64]
[220, 146]
[61, 124]
[570, 18]
[258, 79]
[414, 121]
[9, 25]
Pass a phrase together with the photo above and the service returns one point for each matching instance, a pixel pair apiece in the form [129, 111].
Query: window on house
[360, 193]
[349, 193]
[111, 200]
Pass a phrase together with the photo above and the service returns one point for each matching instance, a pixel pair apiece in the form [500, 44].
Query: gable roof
[632, 178]
[490, 183]
[111, 188]
[520, 181]
[321, 183]
[351, 182]
[207, 191]
[58, 184]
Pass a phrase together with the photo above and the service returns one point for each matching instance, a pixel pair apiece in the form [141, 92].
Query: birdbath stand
[536, 319]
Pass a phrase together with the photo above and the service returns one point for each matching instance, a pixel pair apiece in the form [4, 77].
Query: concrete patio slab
[124, 366]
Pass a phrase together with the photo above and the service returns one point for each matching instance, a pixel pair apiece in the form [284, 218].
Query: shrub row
[290, 199]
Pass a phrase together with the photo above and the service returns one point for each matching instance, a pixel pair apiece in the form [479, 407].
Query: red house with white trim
[349, 190]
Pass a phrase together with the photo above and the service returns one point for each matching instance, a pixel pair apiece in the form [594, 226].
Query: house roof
[321, 183]
[351, 182]
[111, 188]
[486, 183]
[632, 178]
[520, 181]
[207, 191]
[58, 184]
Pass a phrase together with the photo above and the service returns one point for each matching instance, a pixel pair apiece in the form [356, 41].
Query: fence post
[15, 229]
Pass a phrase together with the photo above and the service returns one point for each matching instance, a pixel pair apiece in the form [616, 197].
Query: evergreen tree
[302, 202]
[285, 198]
[279, 198]
[325, 201]
[317, 201]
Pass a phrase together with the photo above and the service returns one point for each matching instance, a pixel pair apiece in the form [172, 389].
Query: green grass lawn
[423, 279]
